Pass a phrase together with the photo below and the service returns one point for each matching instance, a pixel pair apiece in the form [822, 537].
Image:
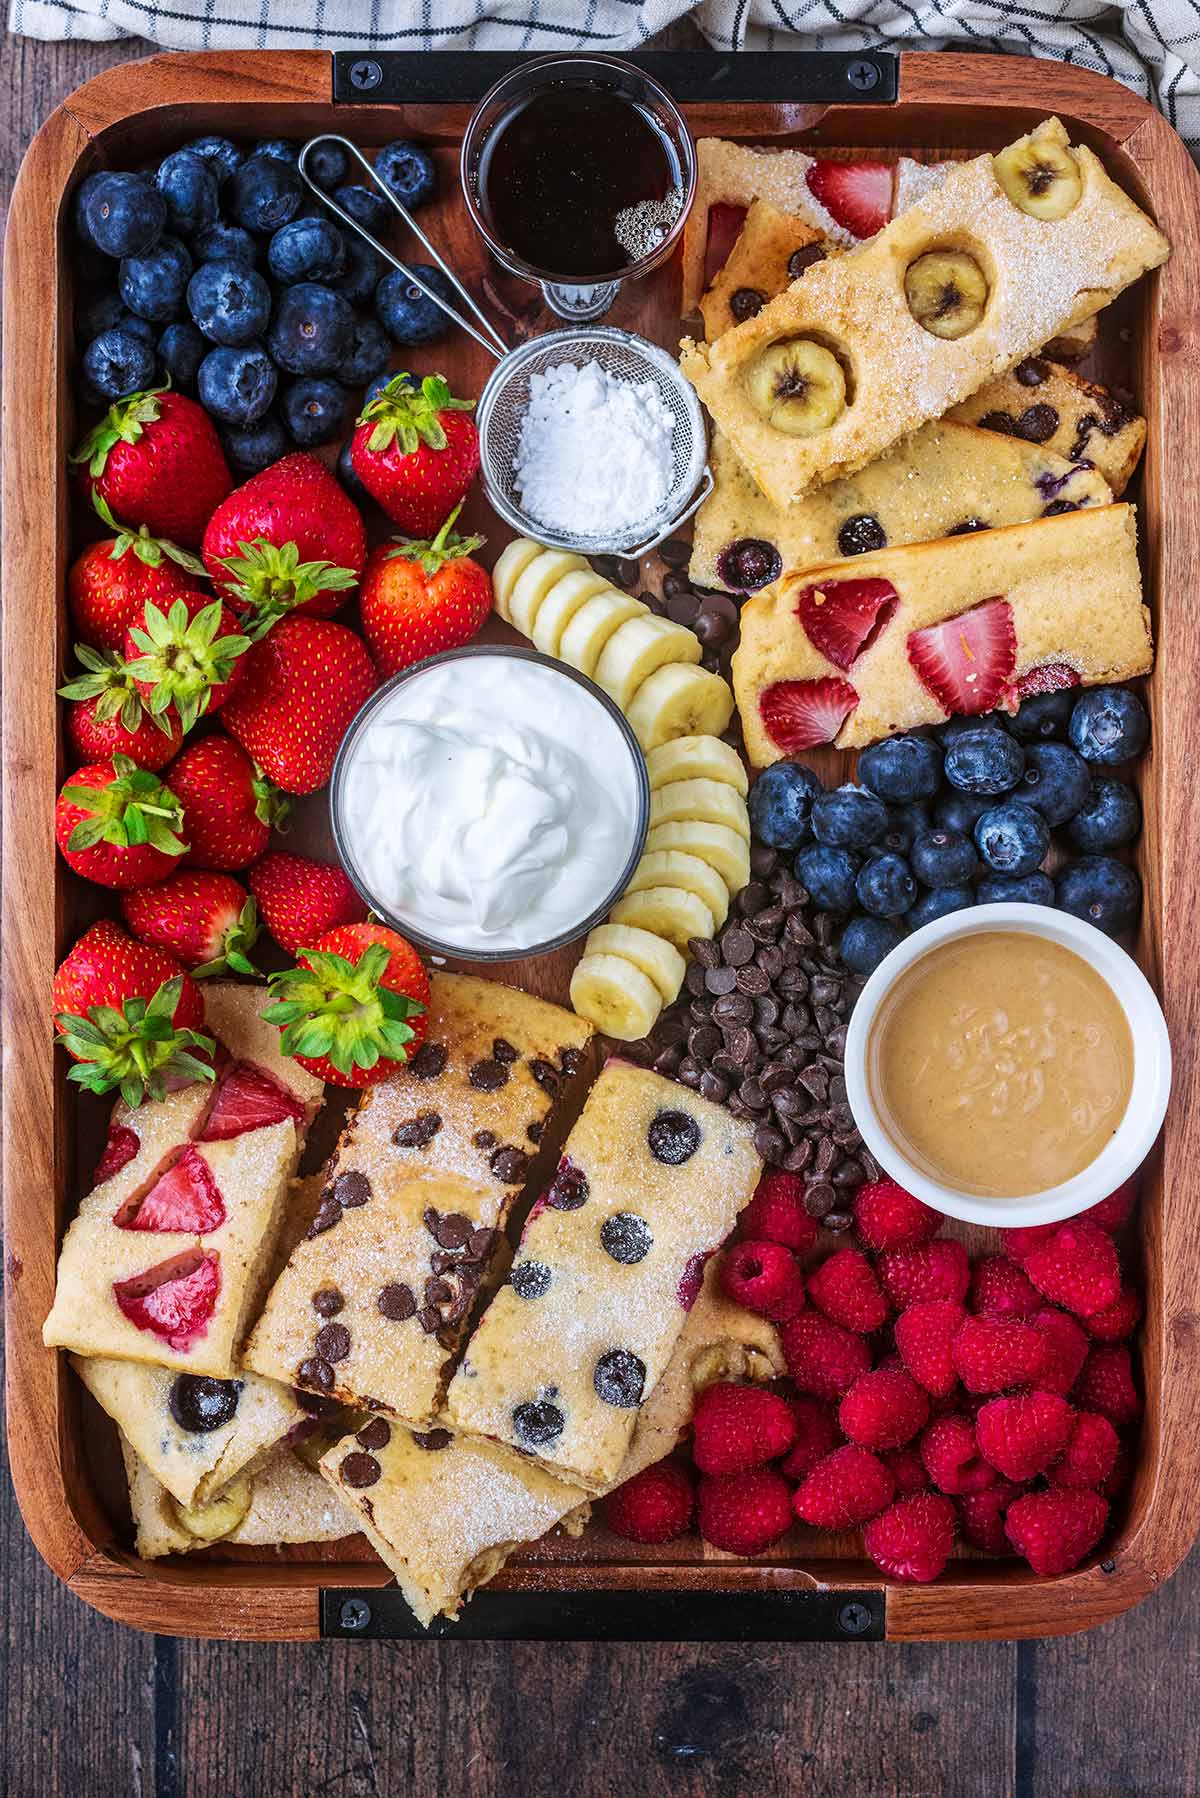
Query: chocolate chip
[683, 608]
[770, 1143]
[200, 1404]
[737, 946]
[673, 1137]
[481, 1242]
[838, 1221]
[328, 1213]
[484, 1139]
[746, 302]
[488, 1076]
[706, 953]
[626, 1237]
[1037, 424]
[510, 1165]
[753, 981]
[537, 1423]
[418, 1132]
[713, 1088]
[804, 258]
[438, 1291]
[431, 1440]
[327, 1301]
[1003, 422]
[669, 1062]
[534, 1130]
[376, 1434]
[740, 1043]
[503, 1050]
[965, 528]
[429, 1319]
[675, 552]
[453, 1230]
[733, 1008]
[618, 1378]
[704, 1042]
[397, 1303]
[569, 1188]
[570, 1060]
[315, 1372]
[859, 535]
[721, 980]
[333, 1342]
[428, 1062]
[797, 1158]
[359, 1470]
[819, 1198]
[1031, 372]
[443, 1262]
[763, 860]
[530, 1279]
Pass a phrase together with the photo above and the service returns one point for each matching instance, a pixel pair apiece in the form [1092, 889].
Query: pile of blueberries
[222, 271]
[963, 815]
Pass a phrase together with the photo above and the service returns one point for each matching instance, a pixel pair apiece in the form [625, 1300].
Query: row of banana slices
[697, 857]
[646, 664]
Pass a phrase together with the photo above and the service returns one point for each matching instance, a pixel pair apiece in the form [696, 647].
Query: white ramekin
[1151, 1066]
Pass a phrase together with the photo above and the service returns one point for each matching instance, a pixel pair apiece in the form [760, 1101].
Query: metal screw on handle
[355, 1614]
[854, 1619]
[365, 75]
[861, 75]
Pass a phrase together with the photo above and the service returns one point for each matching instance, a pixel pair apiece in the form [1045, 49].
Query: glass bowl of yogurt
[490, 803]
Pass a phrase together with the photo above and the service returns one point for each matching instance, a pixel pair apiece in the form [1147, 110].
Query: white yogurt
[490, 803]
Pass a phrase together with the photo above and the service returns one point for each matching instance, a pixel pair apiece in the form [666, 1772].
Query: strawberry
[301, 900]
[155, 458]
[764, 1277]
[206, 921]
[186, 1199]
[107, 715]
[421, 598]
[887, 1217]
[129, 1015]
[120, 1147]
[111, 581]
[724, 228]
[297, 693]
[1047, 677]
[846, 1488]
[247, 1098]
[117, 824]
[776, 1213]
[287, 540]
[856, 195]
[228, 806]
[174, 1300]
[654, 1506]
[912, 1539]
[883, 1409]
[416, 451]
[1054, 1530]
[967, 661]
[842, 618]
[800, 714]
[735, 1428]
[743, 1513]
[352, 1023]
[185, 660]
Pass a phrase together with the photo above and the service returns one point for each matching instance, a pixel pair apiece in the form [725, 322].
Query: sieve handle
[707, 483]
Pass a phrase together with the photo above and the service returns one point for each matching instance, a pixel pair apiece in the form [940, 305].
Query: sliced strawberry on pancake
[174, 1300]
[967, 662]
[799, 714]
[249, 1099]
[1050, 677]
[841, 618]
[120, 1149]
[856, 195]
[186, 1199]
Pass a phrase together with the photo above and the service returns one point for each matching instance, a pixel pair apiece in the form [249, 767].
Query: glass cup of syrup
[578, 172]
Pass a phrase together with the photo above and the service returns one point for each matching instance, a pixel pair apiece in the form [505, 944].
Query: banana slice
[947, 292]
[701, 802]
[669, 912]
[633, 653]
[220, 1517]
[534, 583]
[696, 758]
[678, 701]
[513, 560]
[1040, 176]
[561, 604]
[658, 961]
[673, 868]
[615, 996]
[597, 619]
[722, 848]
[798, 387]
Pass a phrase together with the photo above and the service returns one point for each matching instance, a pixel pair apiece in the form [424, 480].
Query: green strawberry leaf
[408, 416]
[181, 660]
[338, 1010]
[271, 580]
[134, 1049]
[133, 808]
[124, 422]
[433, 555]
[236, 943]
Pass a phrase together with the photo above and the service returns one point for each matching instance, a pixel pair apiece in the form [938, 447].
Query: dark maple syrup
[579, 182]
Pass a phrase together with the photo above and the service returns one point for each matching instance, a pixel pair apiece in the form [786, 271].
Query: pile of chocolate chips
[712, 615]
[761, 1027]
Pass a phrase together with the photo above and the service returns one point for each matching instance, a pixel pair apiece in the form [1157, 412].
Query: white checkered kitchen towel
[1152, 45]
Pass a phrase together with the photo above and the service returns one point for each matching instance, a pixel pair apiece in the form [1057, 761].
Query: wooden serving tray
[810, 1587]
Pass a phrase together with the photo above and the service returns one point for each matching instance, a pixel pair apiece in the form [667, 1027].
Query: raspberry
[823, 1359]
[982, 1513]
[883, 1409]
[951, 1456]
[1090, 1455]
[1020, 1242]
[816, 1433]
[939, 1270]
[735, 1428]
[1106, 1384]
[1066, 1351]
[924, 1333]
[1118, 1320]
[1054, 1530]
[845, 1488]
[743, 1513]
[1077, 1268]
[1022, 1436]
[776, 1213]
[1115, 1210]
[999, 1288]
[993, 1353]
[887, 1217]
[907, 1469]
[654, 1506]
[845, 1288]
[912, 1539]
[764, 1277]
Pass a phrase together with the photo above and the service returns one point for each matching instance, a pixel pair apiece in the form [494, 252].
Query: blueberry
[1109, 816]
[102, 312]
[619, 1378]
[781, 802]
[225, 243]
[905, 824]
[408, 170]
[181, 350]
[902, 769]
[865, 942]
[117, 363]
[223, 158]
[1109, 725]
[530, 1279]
[327, 164]
[1100, 890]
[237, 385]
[1056, 781]
[959, 811]
[365, 206]
[943, 858]
[251, 448]
[626, 1237]
[360, 277]
[1043, 715]
[673, 1137]
[199, 1404]
[368, 353]
[313, 409]
[1012, 838]
[80, 201]
[405, 313]
[189, 186]
[984, 760]
[347, 476]
[748, 563]
[153, 286]
[885, 886]
[1025, 889]
[311, 331]
[309, 249]
[264, 194]
[535, 1424]
[953, 728]
[829, 876]
[229, 302]
[279, 149]
[125, 215]
[938, 902]
[848, 818]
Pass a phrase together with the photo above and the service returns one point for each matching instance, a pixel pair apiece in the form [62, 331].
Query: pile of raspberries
[935, 1396]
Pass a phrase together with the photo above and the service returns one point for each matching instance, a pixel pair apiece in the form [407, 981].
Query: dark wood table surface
[91, 1710]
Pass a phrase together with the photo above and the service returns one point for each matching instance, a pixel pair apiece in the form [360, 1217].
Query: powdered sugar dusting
[595, 452]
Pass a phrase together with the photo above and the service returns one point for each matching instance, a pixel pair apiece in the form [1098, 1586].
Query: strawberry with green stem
[108, 716]
[186, 659]
[295, 696]
[229, 806]
[416, 451]
[300, 900]
[155, 457]
[355, 1008]
[110, 581]
[419, 598]
[207, 921]
[117, 824]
